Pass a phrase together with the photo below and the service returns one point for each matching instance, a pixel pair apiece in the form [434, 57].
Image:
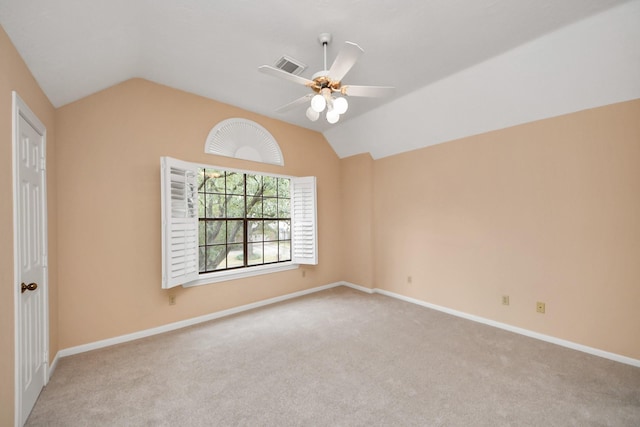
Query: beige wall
[109, 149]
[357, 219]
[14, 75]
[547, 211]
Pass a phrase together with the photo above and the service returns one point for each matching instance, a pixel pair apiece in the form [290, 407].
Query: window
[218, 222]
[244, 219]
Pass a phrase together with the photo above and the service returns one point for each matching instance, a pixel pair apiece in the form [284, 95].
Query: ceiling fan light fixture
[327, 83]
[318, 103]
[340, 105]
[312, 114]
[333, 116]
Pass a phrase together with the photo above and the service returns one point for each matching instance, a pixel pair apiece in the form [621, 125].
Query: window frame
[303, 243]
[248, 216]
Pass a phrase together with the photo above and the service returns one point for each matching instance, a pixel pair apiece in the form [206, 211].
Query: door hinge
[43, 163]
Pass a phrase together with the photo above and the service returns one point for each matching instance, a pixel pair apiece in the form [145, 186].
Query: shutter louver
[304, 221]
[179, 222]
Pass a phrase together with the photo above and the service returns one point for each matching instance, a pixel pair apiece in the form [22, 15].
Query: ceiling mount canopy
[328, 82]
[243, 139]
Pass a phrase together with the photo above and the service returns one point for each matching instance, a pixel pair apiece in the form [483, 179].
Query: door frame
[20, 109]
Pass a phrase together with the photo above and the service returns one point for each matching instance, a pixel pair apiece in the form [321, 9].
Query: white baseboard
[184, 323]
[359, 288]
[548, 338]
[193, 321]
[53, 366]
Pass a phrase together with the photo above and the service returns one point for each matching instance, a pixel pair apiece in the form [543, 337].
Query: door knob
[29, 287]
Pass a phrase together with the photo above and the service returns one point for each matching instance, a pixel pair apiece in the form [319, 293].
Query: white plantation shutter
[179, 222]
[304, 221]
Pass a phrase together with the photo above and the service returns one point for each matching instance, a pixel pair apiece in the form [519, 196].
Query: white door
[31, 258]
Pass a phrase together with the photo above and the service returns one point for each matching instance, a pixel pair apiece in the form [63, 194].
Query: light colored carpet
[339, 358]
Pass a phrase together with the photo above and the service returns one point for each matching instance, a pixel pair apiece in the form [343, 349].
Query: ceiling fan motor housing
[321, 81]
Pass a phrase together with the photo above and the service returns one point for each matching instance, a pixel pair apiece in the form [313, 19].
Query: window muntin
[244, 219]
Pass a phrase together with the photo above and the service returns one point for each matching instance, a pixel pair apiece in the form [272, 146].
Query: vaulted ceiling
[459, 66]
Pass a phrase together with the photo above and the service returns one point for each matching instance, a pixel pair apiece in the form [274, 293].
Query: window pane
[285, 250]
[235, 206]
[216, 232]
[216, 257]
[202, 258]
[283, 208]
[283, 187]
[215, 206]
[214, 181]
[235, 183]
[255, 231]
[255, 254]
[270, 185]
[270, 230]
[270, 252]
[254, 205]
[235, 257]
[270, 207]
[235, 231]
[200, 178]
[201, 203]
[284, 230]
[201, 228]
[254, 184]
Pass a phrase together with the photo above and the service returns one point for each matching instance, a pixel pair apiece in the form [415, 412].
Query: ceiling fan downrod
[325, 39]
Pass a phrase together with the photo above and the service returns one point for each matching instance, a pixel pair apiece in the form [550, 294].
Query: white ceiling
[434, 52]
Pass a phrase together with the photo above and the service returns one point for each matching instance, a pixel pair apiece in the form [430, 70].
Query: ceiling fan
[328, 82]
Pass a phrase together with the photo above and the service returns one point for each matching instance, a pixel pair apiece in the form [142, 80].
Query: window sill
[223, 276]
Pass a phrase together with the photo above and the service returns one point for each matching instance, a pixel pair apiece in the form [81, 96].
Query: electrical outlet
[540, 307]
[304, 273]
[409, 279]
[172, 300]
[505, 299]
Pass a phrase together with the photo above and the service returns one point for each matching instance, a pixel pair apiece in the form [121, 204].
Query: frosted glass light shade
[318, 103]
[340, 105]
[333, 116]
[312, 114]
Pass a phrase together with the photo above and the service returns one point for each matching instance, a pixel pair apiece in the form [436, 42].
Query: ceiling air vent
[290, 65]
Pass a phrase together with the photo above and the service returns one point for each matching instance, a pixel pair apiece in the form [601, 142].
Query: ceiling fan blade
[346, 58]
[367, 91]
[294, 104]
[276, 72]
